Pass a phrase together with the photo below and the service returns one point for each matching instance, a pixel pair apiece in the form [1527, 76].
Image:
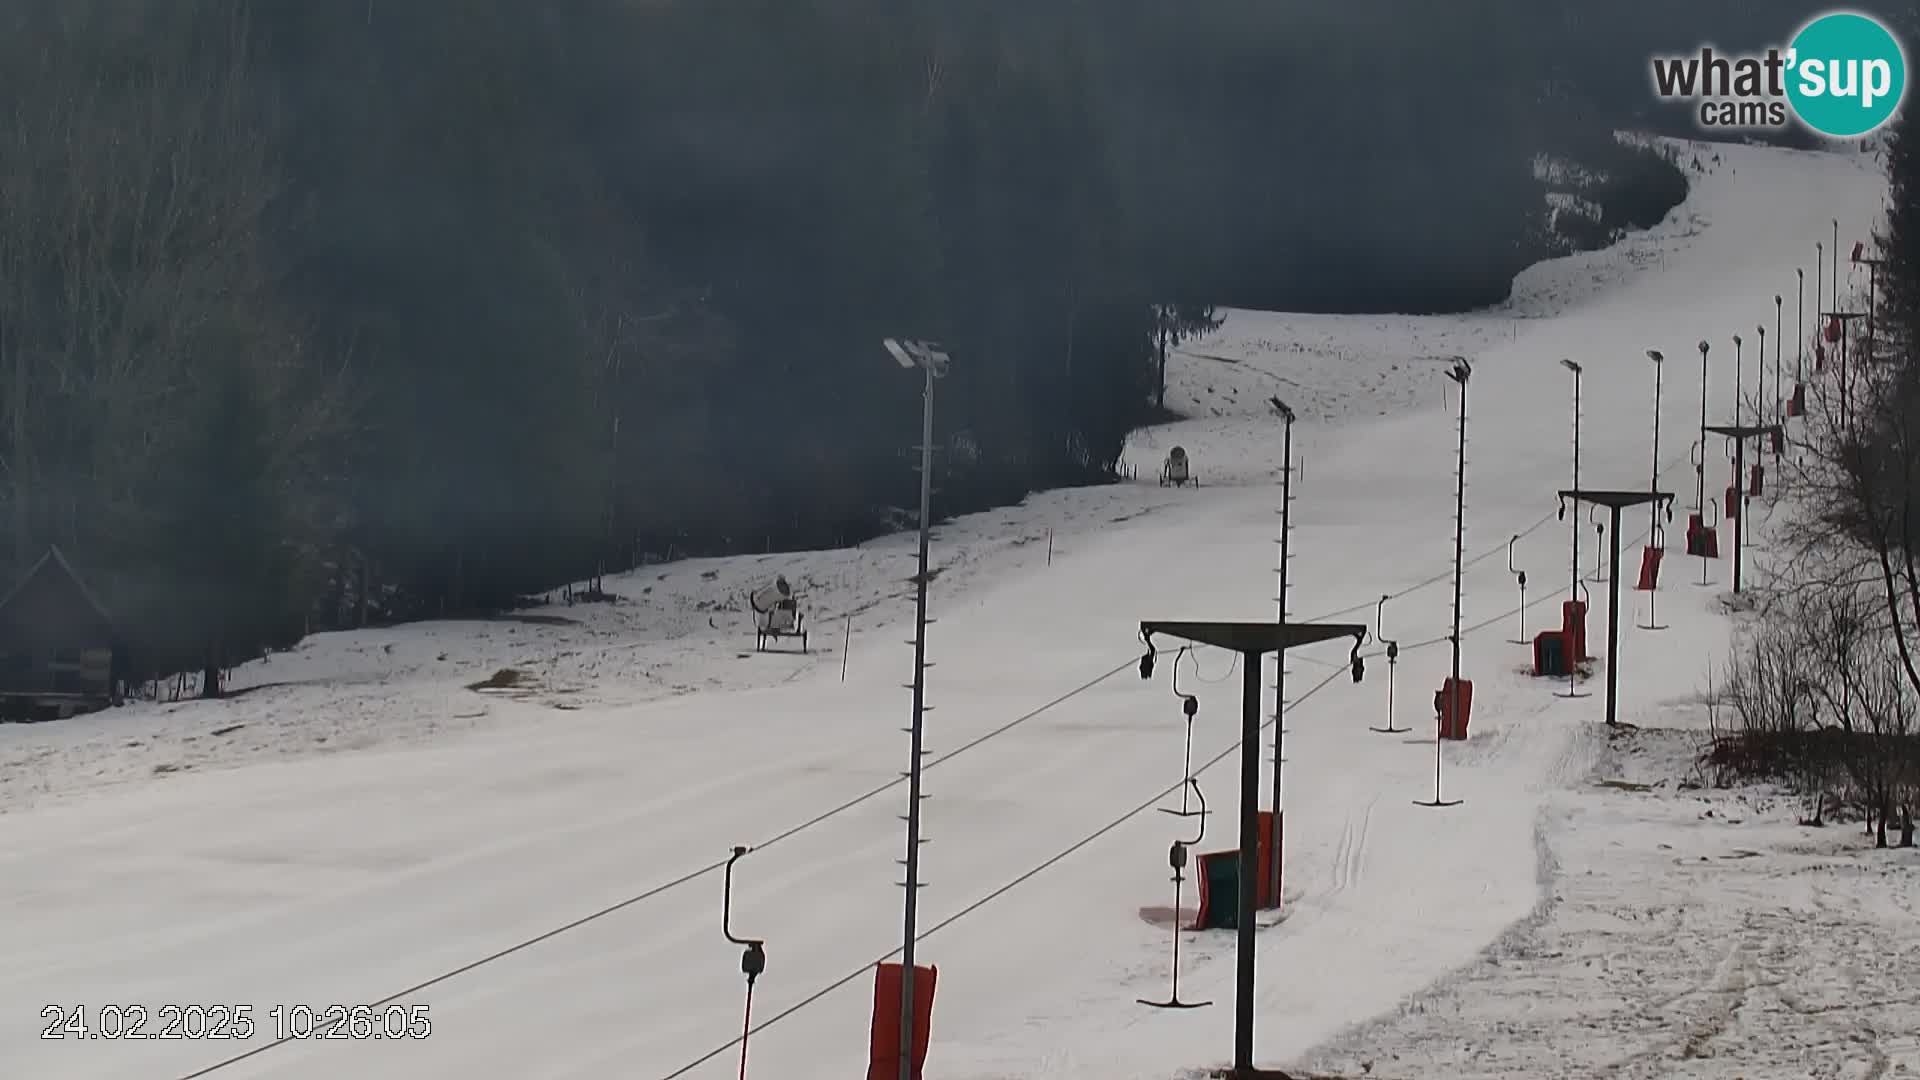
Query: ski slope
[452, 826]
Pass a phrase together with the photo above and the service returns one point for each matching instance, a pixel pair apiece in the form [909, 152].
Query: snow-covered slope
[376, 825]
[1687, 932]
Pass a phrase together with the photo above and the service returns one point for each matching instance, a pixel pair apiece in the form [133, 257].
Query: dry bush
[1819, 700]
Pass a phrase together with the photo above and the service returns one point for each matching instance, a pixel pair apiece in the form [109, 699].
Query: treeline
[1825, 687]
[313, 313]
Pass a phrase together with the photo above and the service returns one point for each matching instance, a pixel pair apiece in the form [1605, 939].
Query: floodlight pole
[1836, 262]
[1779, 339]
[1653, 511]
[1573, 589]
[1659, 369]
[1700, 467]
[1760, 377]
[1280, 658]
[932, 362]
[1799, 328]
[1739, 385]
[1251, 641]
[1819, 266]
[1462, 373]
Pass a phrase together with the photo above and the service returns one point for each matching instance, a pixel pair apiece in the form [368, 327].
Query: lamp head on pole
[1800, 273]
[1703, 349]
[1571, 366]
[1777, 301]
[1461, 371]
[926, 355]
[1736, 341]
[1280, 407]
[1655, 355]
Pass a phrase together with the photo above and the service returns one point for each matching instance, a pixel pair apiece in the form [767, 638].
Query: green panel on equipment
[1219, 891]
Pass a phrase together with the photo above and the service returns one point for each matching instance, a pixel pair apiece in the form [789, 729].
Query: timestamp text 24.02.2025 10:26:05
[235, 1022]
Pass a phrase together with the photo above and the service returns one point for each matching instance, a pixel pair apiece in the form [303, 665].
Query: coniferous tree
[227, 547]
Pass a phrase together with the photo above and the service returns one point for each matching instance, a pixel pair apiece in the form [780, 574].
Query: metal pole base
[1438, 802]
[1389, 730]
[1570, 694]
[1174, 1003]
[1645, 626]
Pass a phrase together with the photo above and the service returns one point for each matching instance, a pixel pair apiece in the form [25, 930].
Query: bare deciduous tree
[137, 181]
[138, 194]
[1850, 604]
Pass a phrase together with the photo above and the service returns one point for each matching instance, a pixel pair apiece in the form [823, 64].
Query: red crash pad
[883, 1062]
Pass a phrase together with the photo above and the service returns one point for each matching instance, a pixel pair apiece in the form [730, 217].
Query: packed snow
[539, 864]
[1682, 931]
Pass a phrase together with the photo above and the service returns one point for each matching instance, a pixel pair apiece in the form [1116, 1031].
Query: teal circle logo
[1847, 74]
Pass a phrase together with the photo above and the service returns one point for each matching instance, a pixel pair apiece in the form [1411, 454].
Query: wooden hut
[58, 648]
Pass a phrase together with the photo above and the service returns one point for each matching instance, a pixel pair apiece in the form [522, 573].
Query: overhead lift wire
[1446, 575]
[701, 872]
[1685, 458]
[983, 901]
[690, 876]
[1081, 843]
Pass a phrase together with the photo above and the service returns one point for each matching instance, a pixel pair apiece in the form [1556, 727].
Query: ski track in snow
[366, 822]
[1685, 932]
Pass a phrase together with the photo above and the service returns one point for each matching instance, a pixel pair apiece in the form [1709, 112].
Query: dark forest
[315, 314]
